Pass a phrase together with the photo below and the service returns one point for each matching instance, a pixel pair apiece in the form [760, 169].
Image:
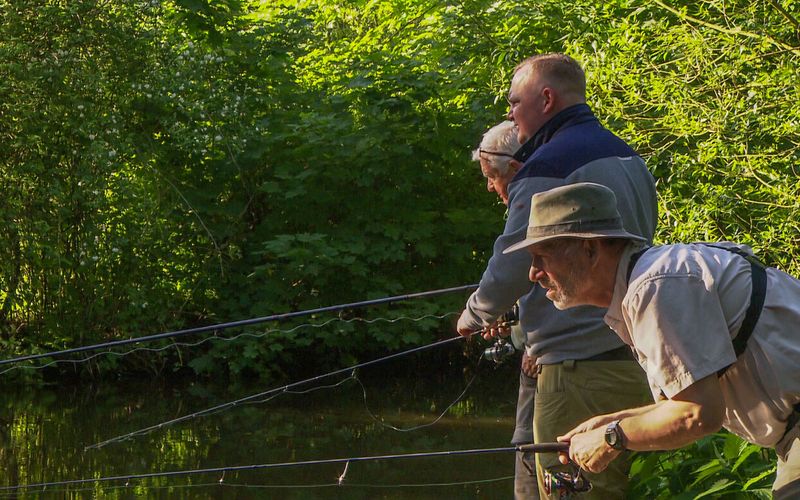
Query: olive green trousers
[571, 392]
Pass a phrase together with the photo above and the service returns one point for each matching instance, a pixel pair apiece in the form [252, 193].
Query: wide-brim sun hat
[584, 210]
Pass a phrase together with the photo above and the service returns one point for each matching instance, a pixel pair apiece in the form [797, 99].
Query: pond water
[45, 432]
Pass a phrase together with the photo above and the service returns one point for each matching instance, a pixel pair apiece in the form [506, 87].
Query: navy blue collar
[573, 115]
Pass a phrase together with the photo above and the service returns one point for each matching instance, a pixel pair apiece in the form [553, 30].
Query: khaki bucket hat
[583, 210]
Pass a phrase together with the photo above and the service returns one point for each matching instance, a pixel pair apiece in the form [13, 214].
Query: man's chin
[557, 302]
[560, 303]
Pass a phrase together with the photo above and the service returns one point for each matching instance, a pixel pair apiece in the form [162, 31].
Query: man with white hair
[583, 368]
[496, 158]
[716, 331]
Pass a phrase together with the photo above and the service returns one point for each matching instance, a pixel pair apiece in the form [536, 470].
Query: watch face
[611, 437]
[614, 436]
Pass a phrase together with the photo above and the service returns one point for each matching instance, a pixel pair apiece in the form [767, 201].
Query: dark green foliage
[717, 465]
[166, 164]
[192, 163]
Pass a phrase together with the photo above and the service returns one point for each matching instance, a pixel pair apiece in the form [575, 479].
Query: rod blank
[232, 324]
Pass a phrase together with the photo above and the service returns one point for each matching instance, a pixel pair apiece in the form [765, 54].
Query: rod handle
[544, 447]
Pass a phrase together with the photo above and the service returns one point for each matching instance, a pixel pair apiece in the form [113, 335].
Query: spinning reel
[502, 349]
[566, 484]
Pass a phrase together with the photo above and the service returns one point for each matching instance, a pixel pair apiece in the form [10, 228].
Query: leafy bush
[717, 465]
[166, 164]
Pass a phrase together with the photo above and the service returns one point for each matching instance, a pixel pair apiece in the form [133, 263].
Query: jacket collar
[567, 117]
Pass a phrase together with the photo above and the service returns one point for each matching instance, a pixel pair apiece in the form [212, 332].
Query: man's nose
[535, 273]
[510, 114]
[489, 185]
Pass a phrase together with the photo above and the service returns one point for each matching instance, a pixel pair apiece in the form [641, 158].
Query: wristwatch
[615, 438]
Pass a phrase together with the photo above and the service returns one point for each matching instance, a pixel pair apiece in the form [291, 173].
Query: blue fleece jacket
[571, 147]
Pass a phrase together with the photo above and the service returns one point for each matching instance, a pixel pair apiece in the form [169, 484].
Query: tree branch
[722, 29]
[785, 14]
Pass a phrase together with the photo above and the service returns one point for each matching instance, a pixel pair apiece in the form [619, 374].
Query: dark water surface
[46, 429]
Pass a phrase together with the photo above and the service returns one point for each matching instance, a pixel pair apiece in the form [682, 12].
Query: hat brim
[612, 233]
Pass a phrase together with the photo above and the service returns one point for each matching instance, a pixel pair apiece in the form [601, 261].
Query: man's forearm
[662, 426]
[695, 412]
[666, 425]
[630, 412]
[505, 279]
[603, 420]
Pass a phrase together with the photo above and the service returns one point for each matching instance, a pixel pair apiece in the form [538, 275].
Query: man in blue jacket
[583, 367]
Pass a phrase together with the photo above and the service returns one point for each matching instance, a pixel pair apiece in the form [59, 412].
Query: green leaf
[759, 477]
[717, 487]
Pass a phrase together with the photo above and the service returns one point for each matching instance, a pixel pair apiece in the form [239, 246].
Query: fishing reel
[502, 349]
[566, 484]
[499, 351]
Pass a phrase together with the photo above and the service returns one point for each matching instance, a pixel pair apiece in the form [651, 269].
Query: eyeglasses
[495, 153]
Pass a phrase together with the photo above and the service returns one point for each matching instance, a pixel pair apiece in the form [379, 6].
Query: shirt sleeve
[505, 279]
[678, 326]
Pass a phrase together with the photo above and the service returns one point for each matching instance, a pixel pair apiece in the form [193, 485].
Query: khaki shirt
[684, 305]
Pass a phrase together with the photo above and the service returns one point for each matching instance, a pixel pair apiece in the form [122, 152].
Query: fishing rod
[305, 485]
[536, 448]
[506, 320]
[233, 324]
[270, 392]
[249, 334]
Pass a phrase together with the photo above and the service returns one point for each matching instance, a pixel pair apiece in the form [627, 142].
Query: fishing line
[215, 337]
[226, 484]
[307, 391]
[269, 392]
[238, 468]
[232, 324]
[421, 426]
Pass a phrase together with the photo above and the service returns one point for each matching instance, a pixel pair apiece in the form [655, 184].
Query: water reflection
[45, 430]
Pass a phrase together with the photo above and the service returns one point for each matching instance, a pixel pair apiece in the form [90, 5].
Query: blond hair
[560, 70]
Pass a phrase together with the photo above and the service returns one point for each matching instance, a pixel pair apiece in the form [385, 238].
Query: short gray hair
[502, 138]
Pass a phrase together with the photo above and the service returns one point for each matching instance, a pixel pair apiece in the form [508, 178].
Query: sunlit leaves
[168, 163]
[721, 464]
[705, 96]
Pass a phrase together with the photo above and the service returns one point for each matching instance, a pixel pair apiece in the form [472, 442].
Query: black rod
[536, 448]
[232, 324]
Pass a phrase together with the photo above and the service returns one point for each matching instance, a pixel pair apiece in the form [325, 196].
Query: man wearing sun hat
[716, 331]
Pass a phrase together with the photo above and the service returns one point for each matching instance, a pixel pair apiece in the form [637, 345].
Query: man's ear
[550, 98]
[514, 165]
